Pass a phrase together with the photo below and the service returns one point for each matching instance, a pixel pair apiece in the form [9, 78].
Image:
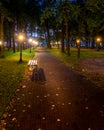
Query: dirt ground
[56, 98]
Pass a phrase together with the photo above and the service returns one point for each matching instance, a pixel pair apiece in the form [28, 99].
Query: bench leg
[34, 74]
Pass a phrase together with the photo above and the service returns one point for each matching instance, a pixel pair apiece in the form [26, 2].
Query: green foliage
[64, 10]
[94, 2]
[3, 10]
[47, 14]
[11, 74]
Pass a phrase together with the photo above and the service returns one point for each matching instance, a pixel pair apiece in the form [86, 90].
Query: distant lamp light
[21, 37]
[30, 40]
[78, 41]
[98, 39]
[35, 42]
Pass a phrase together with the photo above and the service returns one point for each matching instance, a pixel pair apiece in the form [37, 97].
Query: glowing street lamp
[78, 45]
[21, 39]
[35, 43]
[0, 43]
[98, 40]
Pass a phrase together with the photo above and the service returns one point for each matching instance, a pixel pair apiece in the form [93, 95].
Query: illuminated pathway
[61, 99]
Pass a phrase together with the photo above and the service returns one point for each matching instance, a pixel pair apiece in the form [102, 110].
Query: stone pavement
[59, 98]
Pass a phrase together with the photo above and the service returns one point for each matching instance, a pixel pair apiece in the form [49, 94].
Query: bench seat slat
[32, 62]
[29, 62]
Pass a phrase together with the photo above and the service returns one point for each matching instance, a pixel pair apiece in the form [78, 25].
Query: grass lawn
[11, 73]
[72, 60]
[75, 63]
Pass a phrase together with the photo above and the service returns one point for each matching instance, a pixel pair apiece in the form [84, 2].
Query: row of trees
[17, 16]
[80, 19]
[68, 20]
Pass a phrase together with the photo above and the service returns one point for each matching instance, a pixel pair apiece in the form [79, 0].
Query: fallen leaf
[57, 94]
[43, 118]
[5, 115]
[58, 120]
[86, 108]
[23, 110]
[17, 90]
[29, 106]
[39, 129]
[13, 119]
[23, 86]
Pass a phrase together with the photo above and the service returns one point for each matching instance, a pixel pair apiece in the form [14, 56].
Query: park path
[59, 99]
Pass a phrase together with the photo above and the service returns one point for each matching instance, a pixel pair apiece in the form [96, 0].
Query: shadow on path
[38, 75]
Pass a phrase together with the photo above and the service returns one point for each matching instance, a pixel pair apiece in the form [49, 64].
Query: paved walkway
[58, 99]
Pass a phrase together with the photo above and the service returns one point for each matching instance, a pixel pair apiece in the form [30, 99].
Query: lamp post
[30, 41]
[98, 40]
[21, 39]
[0, 45]
[78, 46]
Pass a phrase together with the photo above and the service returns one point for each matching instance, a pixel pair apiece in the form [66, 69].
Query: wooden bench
[32, 64]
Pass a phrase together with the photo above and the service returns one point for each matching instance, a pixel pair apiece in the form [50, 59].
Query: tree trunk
[86, 41]
[67, 34]
[62, 40]
[2, 35]
[67, 38]
[13, 37]
[48, 35]
[8, 43]
[93, 42]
